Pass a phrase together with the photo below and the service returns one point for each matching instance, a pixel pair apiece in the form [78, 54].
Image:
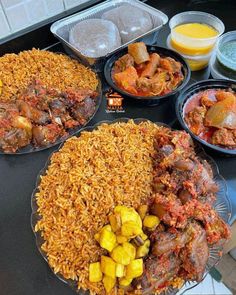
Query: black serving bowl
[187, 93]
[148, 100]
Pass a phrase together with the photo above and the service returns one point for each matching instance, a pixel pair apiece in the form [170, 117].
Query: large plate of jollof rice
[82, 182]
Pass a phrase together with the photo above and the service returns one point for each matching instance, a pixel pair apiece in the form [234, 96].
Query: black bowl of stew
[152, 99]
[195, 102]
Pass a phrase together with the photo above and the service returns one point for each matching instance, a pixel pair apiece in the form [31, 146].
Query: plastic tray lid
[61, 28]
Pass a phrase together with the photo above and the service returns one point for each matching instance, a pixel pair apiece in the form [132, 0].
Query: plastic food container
[131, 21]
[226, 54]
[61, 28]
[95, 37]
[194, 46]
[195, 62]
[219, 72]
[187, 94]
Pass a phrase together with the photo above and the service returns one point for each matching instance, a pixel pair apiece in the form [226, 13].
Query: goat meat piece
[13, 139]
[195, 254]
[207, 101]
[60, 113]
[216, 229]
[157, 271]
[169, 209]
[44, 135]
[195, 119]
[76, 96]
[167, 242]
[222, 94]
[57, 106]
[83, 111]
[123, 63]
[184, 196]
[35, 115]
[151, 66]
[224, 137]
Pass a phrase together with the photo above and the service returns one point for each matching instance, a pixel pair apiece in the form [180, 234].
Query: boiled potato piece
[131, 215]
[115, 221]
[124, 282]
[130, 229]
[120, 270]
[121, 239]
[108, 266]
[134, 269]
[107, 240]
[120, 256]
[143, 250]
[95, 273]
[151, 221]
[130, 249]
[108, 283]
[142, 210]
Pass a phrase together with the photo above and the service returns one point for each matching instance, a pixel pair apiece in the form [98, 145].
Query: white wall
[16, 15]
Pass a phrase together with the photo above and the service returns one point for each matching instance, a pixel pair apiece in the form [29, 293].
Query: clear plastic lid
[95, 37]
[131, 21]
[196, 17]
[226, 50]
[218, 72]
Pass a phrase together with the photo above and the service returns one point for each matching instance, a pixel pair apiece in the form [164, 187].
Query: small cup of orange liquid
[194, 35]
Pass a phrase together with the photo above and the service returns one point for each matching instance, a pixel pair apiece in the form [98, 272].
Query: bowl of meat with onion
[207, 110]
[148, 74]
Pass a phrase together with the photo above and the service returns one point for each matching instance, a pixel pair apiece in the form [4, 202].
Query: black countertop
[22, 269]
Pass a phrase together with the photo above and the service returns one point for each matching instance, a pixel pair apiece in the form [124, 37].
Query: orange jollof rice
[54, 70]
[84, 181]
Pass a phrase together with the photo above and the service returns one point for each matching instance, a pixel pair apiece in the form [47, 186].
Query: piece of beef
[195, 119]
[224, 137]
[170, 65]
[169, 241]
[13, 139]
[36, 116]
[60, 113]
[83, 111]
[195, 253]
[123, 63]
[44, 135]
[157, 271]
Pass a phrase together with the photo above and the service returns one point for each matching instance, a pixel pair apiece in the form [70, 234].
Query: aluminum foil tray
[61, 28]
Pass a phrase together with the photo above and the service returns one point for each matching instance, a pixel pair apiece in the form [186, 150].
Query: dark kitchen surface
[22, 268]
